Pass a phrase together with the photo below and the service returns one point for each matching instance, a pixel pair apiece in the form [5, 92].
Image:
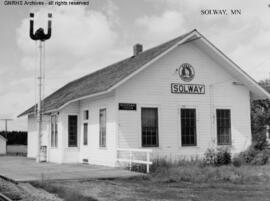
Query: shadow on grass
[62, 192]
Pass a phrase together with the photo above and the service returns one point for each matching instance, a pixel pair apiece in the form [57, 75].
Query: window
[188, 127]
[54, 131]
[85, 133]
[149, 127]
[223, 127]
[102, 128]
[72, 130]
[85, 115]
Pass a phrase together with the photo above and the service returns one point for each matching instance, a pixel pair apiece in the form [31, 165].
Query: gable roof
[110, 77]
[102, 79]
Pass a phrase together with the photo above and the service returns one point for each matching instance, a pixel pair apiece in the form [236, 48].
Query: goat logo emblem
[186, 72]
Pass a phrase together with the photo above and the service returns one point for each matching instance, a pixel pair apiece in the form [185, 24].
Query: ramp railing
[138, 156]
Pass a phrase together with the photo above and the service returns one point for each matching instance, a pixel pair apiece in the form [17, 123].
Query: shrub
[261, 158]
[223, 156]
[260, 141]
[256, 154]
[210, 156]
[237, 162]
[217, 157]
[248, 155]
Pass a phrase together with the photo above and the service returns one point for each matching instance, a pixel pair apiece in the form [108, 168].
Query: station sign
[127, 106]
[177, 88]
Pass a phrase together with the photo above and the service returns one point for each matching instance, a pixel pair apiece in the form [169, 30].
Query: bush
[248, 155]
[255, 155]
[217, 157]
[223, 156]
[237, 162]
[210, 156]
[260, 141]
[261, 158]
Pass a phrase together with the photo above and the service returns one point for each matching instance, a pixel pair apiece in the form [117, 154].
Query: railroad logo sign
[186, 72]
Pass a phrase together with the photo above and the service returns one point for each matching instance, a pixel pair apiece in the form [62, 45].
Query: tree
[15, 137]
[260, 115]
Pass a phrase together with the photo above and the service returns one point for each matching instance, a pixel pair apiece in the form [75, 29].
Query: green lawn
[247, 183]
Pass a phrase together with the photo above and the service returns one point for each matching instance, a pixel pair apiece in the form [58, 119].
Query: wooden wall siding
[151, 87]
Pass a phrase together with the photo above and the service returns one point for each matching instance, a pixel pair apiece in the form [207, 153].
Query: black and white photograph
[124, 100]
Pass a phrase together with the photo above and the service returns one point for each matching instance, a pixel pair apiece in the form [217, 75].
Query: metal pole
[39, 112]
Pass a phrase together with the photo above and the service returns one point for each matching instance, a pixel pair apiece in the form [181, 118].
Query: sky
[86, 38]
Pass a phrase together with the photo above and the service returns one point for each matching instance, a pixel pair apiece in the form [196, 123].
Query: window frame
[85, 134]
[101, 137]
[77, 127]
[158, 126]
[54, 130]
[230, 128]
[195, 144]
[85, 115]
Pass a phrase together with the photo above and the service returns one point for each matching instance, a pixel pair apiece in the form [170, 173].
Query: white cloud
[76, 32]
[244, 38]
[156, 29]
[82, 41]
[79, 36]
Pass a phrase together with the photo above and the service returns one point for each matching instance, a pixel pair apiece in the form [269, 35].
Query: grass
[196, 172]
[65, 193]
[184, 181]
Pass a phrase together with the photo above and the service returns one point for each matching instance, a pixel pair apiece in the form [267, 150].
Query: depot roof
[110, 77]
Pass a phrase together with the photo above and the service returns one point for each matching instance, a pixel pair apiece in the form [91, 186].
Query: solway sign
[177, 88]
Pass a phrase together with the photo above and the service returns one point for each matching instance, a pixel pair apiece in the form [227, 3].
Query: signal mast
[40, 36]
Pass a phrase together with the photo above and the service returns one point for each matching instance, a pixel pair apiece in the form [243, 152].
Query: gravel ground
[25, 192]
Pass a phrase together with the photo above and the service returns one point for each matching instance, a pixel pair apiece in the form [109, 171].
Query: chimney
[137, 49]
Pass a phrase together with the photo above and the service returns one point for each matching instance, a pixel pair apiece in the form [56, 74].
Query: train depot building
[176, 99]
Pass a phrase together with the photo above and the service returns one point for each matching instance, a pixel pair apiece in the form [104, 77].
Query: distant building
[177, 99]
[3, 145]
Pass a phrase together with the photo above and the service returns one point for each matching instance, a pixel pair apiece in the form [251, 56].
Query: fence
[131, 156]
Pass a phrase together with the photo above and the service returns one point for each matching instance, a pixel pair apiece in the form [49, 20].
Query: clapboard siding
[152, 87]
[95, 154]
